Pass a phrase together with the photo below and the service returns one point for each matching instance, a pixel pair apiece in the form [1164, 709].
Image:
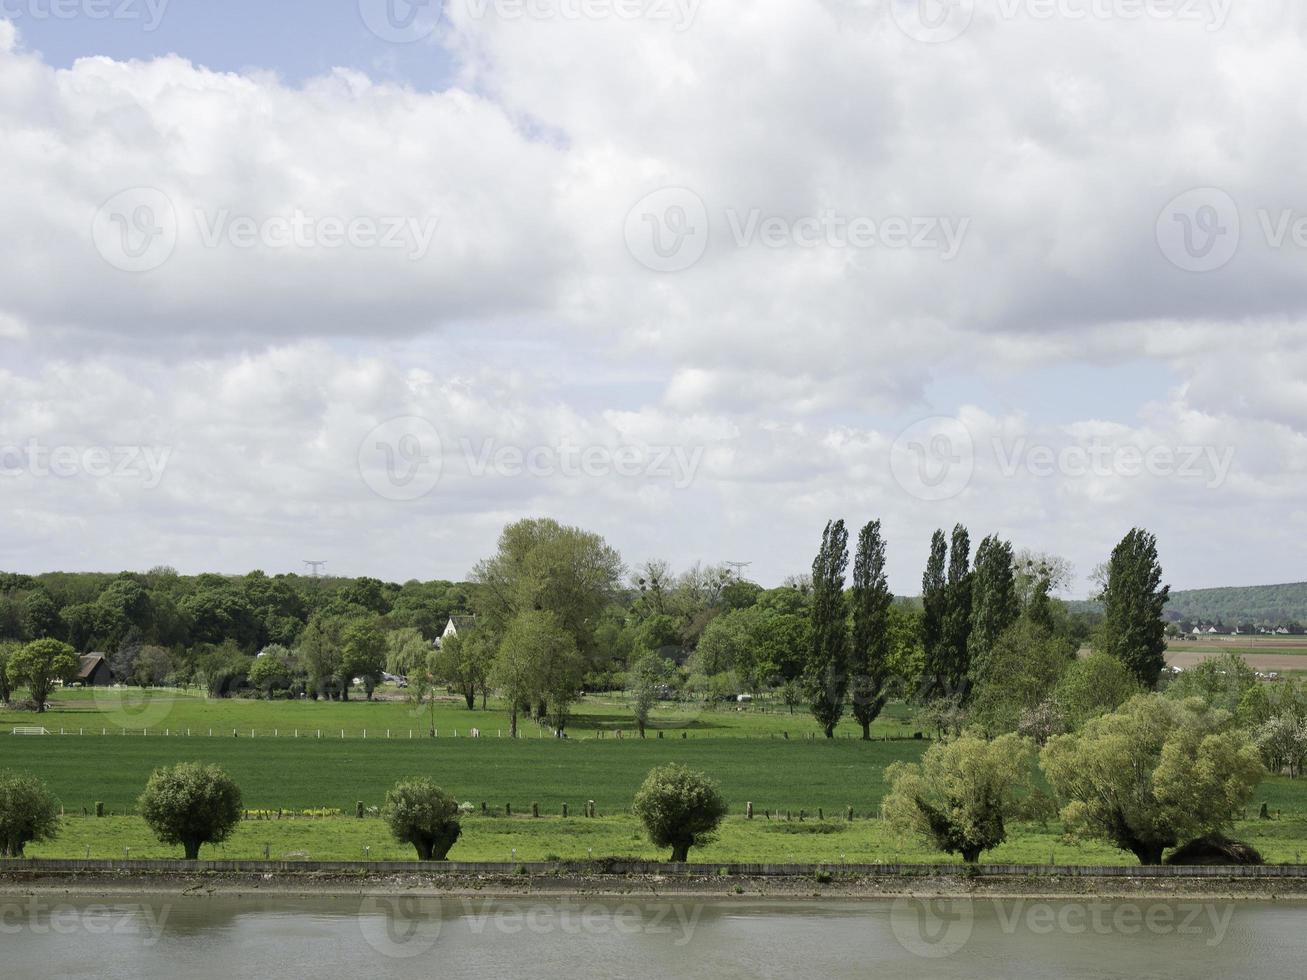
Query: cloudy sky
[361, 281]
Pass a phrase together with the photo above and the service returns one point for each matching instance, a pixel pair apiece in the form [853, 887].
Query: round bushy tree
[27, 813]
[680, 808]
[960, 794]
[424, 815]
[191, 804]
[39, 664]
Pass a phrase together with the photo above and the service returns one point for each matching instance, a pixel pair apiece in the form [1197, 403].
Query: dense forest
[1245, 607]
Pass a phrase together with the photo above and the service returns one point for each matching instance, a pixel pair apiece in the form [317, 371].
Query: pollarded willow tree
[1154, 774]
[680, 809]
[869, 658]
[191, 804]
[961, 793]
[420, 813]
[826, 678]
[28, 813]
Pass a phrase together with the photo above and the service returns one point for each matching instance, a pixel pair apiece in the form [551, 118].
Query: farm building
[94, 671]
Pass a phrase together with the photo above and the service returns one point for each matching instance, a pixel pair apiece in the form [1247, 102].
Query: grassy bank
[552, 838]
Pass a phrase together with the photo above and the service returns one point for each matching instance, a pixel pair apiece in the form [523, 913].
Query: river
[46, 938]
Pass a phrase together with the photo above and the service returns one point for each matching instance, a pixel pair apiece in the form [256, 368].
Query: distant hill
[1263, 605]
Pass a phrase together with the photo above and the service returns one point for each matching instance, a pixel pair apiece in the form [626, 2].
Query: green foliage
[961, 793]
[1272, 605]
[537, 663]
[934, 601]
[1094, 686]
[1133, 630]
[362, 655]
[7, 650]
[650, 674]
[272, 672]
[826, 677]
[680, 809]
[28, 813]
[38, 665]
[1154, 774]
[543, 566]
[191, 804]
[1221, 682]
[420, 813]
[994, 606]
[872, 642]
[1020, 670]
[465, 660]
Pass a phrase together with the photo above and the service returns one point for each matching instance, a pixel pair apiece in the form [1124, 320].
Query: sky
[362, 281]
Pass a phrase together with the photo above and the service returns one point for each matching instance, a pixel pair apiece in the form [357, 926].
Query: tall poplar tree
[827, 674]
[994, 605]
[934, 602]
[870, 655]
[957, 615]
[1133, 600]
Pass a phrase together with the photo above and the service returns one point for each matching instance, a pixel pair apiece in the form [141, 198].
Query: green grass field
[743, 750]
[114, 709]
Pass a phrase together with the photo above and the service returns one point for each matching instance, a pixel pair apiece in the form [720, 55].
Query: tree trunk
[830, 731]
[512, 723]
[424, 848]
[192, 848]
[1148, 854]
[680, 853]
[866, 731]
[971, 854]
[470, 696]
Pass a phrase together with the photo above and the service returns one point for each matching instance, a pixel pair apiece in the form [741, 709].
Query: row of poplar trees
[966, 608]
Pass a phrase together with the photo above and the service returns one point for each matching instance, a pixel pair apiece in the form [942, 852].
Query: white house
[456, 625]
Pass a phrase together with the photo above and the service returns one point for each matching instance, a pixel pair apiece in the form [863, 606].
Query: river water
[613, 939]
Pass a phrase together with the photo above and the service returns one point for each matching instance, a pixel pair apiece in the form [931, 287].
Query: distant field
[160, 710]
[1260, 653]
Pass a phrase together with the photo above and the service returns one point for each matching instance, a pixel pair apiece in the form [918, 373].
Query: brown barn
[94, 671]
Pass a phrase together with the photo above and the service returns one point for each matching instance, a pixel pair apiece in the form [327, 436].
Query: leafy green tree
[1133, 600]
[1096, 685]
[792, 694]
[39, 664]
[1282, 742]
[869, 661]
[28, 813]
[1220, 681]
[465, 660]
[7, 650]
[957, 615]
[40, 616]
[934, 601]
[271, 672]
[994, 606]
[407, 651]
[543, 566]
[1022, 668]
[680, 809]
[537, 660]
[191, 804]
[362, 655]
[649, 677]
[424, 815]
[319, 653]
[151, 667]
[961, 793]
[78, 624]
[1156, 773]
[827, 675]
